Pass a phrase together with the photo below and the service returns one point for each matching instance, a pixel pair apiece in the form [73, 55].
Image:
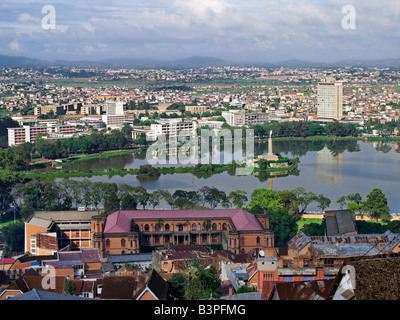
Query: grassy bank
[104, 154]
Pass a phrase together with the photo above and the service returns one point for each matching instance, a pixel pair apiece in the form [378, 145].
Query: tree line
[304, 129]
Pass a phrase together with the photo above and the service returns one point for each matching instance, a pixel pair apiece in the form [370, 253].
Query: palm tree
[160, 223]
[207, 226]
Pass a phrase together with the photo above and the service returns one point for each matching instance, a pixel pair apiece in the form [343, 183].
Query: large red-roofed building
[127, 232]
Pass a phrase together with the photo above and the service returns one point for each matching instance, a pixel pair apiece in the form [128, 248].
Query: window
[180, 227]
[214, 226]
[194, 227]
[123, 243]
[136, 228]
[243, 240]
[258, 240]
[156, 239]
[166, 227]
[214, 238]
[146, 227]
[108, 243]
[224, 226]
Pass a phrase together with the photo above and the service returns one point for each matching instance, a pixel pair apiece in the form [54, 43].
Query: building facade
[29, 134]
[130, 232]
[330, 99]
[49, 231]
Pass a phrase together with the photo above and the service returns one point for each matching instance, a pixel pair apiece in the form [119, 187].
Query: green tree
[314, 229]
[238, 198]
[323, 202]
[112, 202]
[290, 201]
[201, 279]
[128, 202]
[265, 199]
[69, 288]
[13, 236]
[376, 205]
[246, 288]
[282, 224]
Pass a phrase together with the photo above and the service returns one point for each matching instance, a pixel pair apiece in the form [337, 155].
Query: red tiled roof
[86, 255]
[119, 222]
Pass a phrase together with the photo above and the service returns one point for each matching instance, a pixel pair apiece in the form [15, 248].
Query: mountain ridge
[187, 63]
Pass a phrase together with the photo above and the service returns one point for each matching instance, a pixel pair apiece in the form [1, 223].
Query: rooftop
[119, 222]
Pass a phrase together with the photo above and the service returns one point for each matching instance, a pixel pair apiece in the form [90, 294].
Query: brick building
[47, 232]
[127, 232]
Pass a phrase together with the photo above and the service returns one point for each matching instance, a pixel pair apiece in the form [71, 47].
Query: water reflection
[329, 167]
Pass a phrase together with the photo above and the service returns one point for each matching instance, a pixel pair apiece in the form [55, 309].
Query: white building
[330, 99]
[114, 113]
[239, 118]
[172, 128]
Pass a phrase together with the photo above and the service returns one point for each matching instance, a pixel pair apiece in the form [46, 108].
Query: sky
[249, 30]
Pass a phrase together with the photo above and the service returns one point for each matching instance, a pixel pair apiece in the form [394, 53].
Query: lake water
[330, 168]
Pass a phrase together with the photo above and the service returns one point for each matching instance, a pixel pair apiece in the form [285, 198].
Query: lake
[332, 168]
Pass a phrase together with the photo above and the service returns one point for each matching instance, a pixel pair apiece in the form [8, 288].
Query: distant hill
[19, 61]
[186, 63]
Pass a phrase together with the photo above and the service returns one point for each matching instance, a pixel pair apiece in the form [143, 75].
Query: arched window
[243, 252]
[166, 227]
[258, 240]
[108, 243]
[136, 228]
[157, 227]
[123, 243]
[224, 226]
[194, 227]
[214, 226]
[243, 240]
[146, 227]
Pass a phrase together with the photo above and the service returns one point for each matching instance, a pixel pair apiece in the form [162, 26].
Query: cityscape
[209, 175]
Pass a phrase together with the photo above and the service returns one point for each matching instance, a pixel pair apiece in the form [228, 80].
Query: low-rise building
[29, 134]
[127, 232]
[48, 231]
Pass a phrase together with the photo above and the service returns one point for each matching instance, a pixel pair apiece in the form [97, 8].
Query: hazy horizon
[259, 31]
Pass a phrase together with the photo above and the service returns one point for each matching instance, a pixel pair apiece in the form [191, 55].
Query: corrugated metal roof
[130, 258]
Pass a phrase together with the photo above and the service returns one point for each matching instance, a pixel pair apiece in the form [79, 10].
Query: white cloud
[26, 17]
[14, 45]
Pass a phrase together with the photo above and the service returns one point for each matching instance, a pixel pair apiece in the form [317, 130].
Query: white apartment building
[330, 99]
[114, 113]
[172, 128]
[29, 134]
[239, 118]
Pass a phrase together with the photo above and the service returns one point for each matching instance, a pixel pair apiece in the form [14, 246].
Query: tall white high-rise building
[330, 99]
[114, 113]
[114, 108]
